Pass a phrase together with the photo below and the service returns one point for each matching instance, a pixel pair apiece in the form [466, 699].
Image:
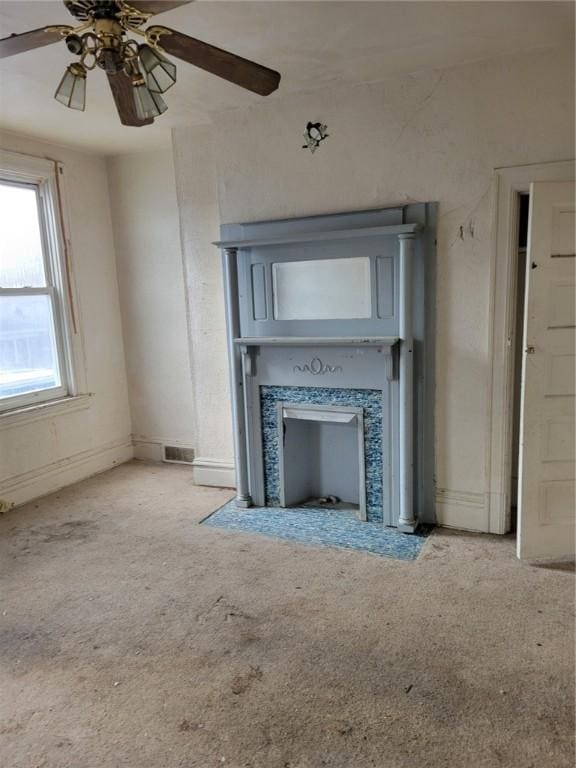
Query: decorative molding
[467, 498]
[317, 368]
[248, 360]
[212, 472]
[466, 510]
[30, 485]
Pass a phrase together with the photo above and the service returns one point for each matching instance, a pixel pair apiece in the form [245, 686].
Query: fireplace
[330, 331]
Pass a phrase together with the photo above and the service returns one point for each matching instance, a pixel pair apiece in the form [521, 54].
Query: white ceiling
[312, 44]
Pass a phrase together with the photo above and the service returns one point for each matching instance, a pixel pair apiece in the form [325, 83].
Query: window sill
[48, 410]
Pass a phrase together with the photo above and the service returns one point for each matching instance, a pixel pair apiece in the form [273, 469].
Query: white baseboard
[51, 477]
[499, 512]
[148, 450]
[462, 509]
[211, 472]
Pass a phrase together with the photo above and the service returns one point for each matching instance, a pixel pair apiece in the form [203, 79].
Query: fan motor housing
[83, 10]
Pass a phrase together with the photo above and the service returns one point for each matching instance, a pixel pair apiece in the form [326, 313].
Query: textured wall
[41, 455]
[432, 136]
[153, 301]
[196, 181]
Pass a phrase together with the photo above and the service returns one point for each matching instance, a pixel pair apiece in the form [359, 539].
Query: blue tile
[370, 400]
[320, 528]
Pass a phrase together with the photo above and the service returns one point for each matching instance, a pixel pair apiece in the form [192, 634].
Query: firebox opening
[322, 458]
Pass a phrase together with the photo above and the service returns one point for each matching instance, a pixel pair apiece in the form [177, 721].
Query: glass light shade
[72, 89]
[160, 73]
[147, 103]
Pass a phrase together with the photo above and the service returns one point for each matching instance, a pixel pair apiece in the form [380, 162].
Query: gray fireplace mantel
[382, 342]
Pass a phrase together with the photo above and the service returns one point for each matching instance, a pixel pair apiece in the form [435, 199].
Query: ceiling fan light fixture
[74, 44]
[137, 73]
[159, 71]
[148, 104]
[72, 88]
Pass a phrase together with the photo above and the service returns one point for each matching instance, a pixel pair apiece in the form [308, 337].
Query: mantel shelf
[318, 341]
[337, 234]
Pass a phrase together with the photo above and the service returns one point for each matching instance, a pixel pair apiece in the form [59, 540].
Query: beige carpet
[131, 636]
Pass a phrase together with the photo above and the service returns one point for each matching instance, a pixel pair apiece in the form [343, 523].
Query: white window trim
[27, 414]
[42, 173]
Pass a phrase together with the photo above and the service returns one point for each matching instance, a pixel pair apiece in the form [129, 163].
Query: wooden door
[546, 493]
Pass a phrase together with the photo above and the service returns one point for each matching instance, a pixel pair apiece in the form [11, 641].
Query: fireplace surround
[367, 406]
[330, 328]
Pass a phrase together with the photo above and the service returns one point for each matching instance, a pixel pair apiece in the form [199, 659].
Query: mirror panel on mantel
[318, 289]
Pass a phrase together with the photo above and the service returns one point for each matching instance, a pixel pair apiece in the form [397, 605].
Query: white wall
[153, 301]
[45, 451]
[432, 136]
[196, 181]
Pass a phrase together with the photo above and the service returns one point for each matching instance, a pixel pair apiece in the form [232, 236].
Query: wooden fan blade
[27, 41]
[157, 6]
[121, 87]
[247, 74]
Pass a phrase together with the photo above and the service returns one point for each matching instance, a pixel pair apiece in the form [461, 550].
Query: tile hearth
[320, 528]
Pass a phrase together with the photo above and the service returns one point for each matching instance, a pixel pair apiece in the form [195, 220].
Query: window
[35, 359]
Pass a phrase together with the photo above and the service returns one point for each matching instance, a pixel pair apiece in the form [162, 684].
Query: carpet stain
[184, 726]
[72, 530]
[242, 683]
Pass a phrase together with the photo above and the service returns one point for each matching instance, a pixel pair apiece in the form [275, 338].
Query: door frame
[510, 182]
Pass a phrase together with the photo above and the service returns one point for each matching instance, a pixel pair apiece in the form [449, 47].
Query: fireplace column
[230, 264]
[406, 520]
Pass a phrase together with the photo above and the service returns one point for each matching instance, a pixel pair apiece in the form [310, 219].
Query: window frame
[41, 175]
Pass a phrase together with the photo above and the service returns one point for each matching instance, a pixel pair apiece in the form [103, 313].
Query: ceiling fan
[138, 73]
